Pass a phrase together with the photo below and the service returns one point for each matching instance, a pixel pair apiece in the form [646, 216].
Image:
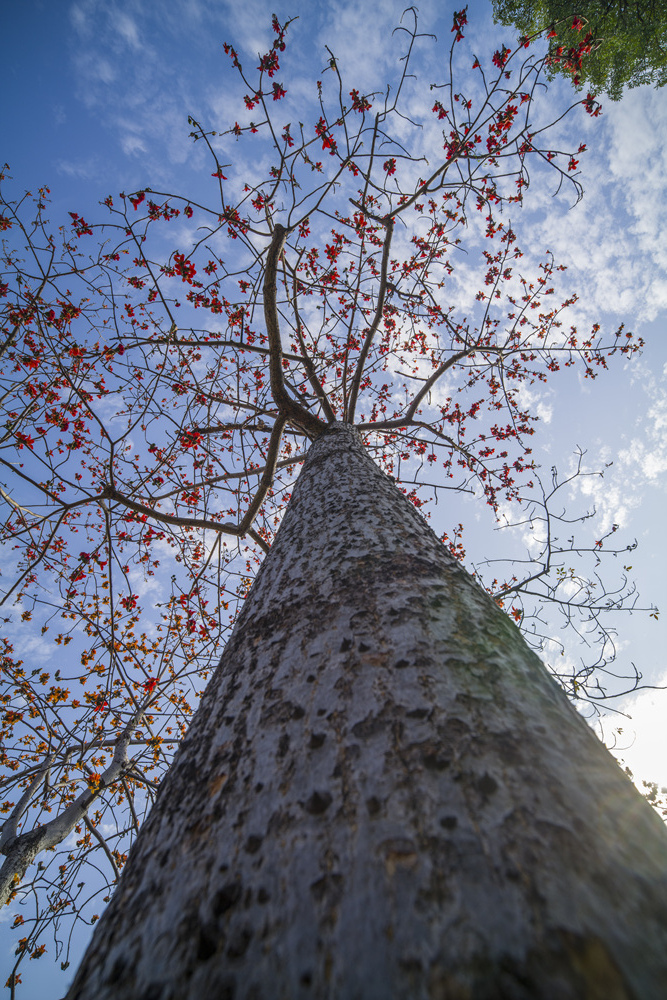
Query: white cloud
[643, 743]
[127, 28]
[96, 69]
[644, 459]
[611, 499]
[84, 169]
[132, 144]
[613, 242]
[80, 17]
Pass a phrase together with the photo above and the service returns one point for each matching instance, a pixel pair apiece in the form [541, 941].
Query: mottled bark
[383, 794]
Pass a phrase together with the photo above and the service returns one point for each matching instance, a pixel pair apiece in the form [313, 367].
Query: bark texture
[383, 795]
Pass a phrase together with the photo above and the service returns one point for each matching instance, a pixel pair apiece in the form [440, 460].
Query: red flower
[233, 55]
[460, 18]
[390, 165]
[24, 440]
[183, 267]
[592, 106]
[190, 439]
[501, 56]
[269, 63]
[80, 226]
[328, 141]
[359, 104]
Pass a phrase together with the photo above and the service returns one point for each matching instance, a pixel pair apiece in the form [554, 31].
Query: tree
[398, 800]
[626, 43]
[144, 432]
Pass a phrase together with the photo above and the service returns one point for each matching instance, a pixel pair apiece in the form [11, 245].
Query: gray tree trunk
[383, 795]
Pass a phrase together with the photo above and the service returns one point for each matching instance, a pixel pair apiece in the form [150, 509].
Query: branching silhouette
[158, 402]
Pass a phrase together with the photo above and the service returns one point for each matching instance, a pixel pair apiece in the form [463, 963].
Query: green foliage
[629, 38]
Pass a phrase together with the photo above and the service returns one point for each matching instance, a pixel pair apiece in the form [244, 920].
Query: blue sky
[96, 101]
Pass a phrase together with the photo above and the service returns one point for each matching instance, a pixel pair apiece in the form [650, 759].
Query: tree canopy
[166, 365]
[626, 43]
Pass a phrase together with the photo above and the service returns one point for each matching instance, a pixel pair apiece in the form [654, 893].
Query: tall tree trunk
[383, 794]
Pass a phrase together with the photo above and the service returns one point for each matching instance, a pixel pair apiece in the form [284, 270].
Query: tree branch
[292, 410]
[356, 381]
